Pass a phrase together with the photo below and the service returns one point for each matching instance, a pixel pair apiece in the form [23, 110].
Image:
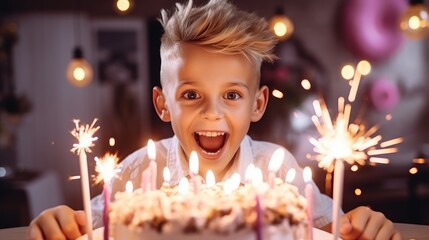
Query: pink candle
[309, 196]
[259, 218]
[106, 194]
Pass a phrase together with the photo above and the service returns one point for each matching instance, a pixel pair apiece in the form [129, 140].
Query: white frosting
[209, 214]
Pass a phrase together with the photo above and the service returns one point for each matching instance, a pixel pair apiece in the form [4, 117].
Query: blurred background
[40, 95]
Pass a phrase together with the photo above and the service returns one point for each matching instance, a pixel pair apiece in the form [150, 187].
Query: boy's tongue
[211, 144]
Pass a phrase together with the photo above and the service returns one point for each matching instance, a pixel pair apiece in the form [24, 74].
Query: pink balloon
[384, 95]
[371, 27]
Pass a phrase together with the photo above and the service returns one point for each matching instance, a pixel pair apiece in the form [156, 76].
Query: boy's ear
[160, 104]
[260, 104]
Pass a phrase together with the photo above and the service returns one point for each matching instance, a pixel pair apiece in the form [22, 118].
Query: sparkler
[84, 134]
[107, 169]
[344, 141]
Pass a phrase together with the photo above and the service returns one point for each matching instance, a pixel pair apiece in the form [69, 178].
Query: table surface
[409, 232]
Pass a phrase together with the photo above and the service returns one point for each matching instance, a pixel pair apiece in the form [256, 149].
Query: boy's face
[210, 99]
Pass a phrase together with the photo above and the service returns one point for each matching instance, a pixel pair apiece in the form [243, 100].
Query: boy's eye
[191, 95]
[232, 96]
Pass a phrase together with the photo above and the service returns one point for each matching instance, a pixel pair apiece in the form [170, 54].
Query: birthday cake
[212, 212]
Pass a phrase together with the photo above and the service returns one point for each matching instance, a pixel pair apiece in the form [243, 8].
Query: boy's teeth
[211, 134]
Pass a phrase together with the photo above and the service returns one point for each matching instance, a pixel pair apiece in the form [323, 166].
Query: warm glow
[282, 26]
[379, 160]
[129, 187]
[358, 192]
[388, 117]
[277, 93]
[183, 187]
[276, 160]
[151, 150]
[414, 22]
[290, 176]
[210, 178]
[413, 170]
[419, 160]
[112, 142]
[79, 72]
[306, 84]
[347, 72]
[307, 174]
[123, 5]
[106, 167]
[354, 168]
[364, 67]
[250, 170]
[258, 177]
[166, 174]
[227, 186]
[193, 163]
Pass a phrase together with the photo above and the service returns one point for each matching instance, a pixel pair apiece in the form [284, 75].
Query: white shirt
[169, 153]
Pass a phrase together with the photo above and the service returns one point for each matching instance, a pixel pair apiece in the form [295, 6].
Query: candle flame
[193, 163]
[183, 187]
[210, 178]
[151, 150]
[249, 173]
[258, 177]
[129, 187]
[307, 174]
[84, 134]
[235, 181]
[276, 160]
[106, 167]
[290, 176]
[166, 174]
[227, 186]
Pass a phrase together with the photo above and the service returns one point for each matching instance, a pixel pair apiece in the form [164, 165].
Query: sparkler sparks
[348, 141]
[84, 134]
[106, 167]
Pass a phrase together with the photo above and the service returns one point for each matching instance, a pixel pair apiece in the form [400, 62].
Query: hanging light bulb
[123, 6]
[281, 25]
[414, 21]
[79, 71]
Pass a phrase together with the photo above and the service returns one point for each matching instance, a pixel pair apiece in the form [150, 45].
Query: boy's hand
[59, 222]
[364, 223]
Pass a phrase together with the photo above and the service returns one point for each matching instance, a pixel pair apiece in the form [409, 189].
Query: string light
[414, 22]
[124, 6]
[281, 25]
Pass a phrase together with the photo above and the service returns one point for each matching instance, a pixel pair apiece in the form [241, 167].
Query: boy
[211, 58]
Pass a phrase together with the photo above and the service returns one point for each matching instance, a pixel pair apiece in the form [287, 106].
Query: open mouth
[211, 142]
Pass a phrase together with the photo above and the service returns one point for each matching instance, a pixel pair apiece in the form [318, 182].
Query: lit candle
[210, 178]
[83, 134]
[258, 178]
[290, 176]
[309, 196]
[337, 197]
[167, 176]
[183, 187]
[129, 188]
[106, 167]
[248, 176]
[235, 181]
[194, 169]
[274, 165]
[152, 164]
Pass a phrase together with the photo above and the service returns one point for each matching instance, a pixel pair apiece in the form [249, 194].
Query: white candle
[167, 176]
[274, 165]
[248, 176]
[309, 196]
[152, 164]
[337, 197]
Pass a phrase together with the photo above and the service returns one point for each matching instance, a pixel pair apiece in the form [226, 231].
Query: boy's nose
[212, 110]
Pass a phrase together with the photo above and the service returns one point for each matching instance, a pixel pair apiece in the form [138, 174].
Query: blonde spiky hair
[220, 27]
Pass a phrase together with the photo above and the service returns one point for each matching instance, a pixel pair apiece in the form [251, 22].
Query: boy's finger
[81, 221]
[35, 233]
[50, 228]
[69, 225]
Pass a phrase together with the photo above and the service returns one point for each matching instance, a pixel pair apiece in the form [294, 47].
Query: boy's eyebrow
[230, 84]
